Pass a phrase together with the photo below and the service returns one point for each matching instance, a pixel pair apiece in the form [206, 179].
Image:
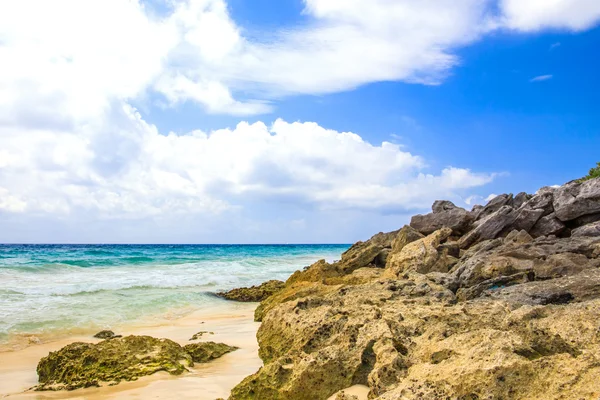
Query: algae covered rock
[254, 293]
[79, 365]
[106, 335]
[207, 351]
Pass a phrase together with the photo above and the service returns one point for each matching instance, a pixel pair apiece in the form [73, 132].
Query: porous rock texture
[503, 314]
[80, 365]
[254, 293]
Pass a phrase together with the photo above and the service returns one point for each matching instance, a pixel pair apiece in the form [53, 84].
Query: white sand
[232, 324]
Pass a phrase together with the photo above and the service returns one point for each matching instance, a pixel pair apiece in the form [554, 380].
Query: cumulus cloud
[535, 15]
[125, 168]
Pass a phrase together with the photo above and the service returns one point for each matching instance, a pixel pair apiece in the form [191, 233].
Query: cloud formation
[541, 78]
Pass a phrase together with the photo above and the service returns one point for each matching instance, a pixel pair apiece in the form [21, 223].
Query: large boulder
[423, 256]
[546, 226]
[445, 215]
[490, 227]
[587, 230]
[577, 199]
[81, 365]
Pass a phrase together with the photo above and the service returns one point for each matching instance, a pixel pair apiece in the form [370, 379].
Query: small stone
[106, 335]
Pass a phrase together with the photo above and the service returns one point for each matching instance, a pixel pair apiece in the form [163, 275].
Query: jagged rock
[254, 293]
[405, 236]
[106, 335]
[585, 220]
[206, 351]
[527, 218]
[521, 199]
[504, 262]
[577, 199]
[489, 227]
[587, 230]
[421, 256]
[513, 318]
[445, 215]
[568, 289]
[81, 365]
[548, 225]
[494, 205]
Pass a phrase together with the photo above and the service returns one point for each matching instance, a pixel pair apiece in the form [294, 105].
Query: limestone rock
[495, 204]
[577, 199]
[548, 225]
[405, 236]
[490, 227]
[421, 256]
[106, 335]
[206, 351]
[587, 230]
[254, 293]
[445, 215]
[81, 365]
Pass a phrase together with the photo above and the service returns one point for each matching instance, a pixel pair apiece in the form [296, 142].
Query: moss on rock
[207, 351]
[254, 293]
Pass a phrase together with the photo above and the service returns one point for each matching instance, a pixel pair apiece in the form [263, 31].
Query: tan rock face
[498, 313]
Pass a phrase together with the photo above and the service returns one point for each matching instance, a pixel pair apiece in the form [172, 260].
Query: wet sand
[232, 323]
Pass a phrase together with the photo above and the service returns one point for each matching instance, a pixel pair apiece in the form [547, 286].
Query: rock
[521, 199]
[585, 220]
[489, 227]
[206, 351]
[197, 336]
[504, 262]
[587, 230]
[421, 256]
[577, 199]
[548, 225]
[445, 215]
[254, 293]
[494, 205]
[106, 335]
[81, 365]
[405, 236]
[440, 206]
[543, 199]
[580, 287]
[527, 218]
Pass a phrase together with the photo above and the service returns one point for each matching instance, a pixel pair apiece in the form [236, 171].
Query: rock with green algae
[207, 351]
[254, 293]
[80, 365]
[198, 335]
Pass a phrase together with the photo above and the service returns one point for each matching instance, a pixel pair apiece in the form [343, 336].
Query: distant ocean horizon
[49, 288]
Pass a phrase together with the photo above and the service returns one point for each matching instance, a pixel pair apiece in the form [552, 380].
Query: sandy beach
[231, 323]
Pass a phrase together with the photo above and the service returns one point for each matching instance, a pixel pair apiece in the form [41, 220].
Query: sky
[291, 121]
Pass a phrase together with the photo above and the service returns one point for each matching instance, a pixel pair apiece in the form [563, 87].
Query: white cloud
[541, 78]
[135, 172]
[535, 15]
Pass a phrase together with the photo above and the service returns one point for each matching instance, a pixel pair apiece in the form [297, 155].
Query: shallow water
[45, 289]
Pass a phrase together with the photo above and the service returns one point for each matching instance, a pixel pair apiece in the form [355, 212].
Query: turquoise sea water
[48, 288]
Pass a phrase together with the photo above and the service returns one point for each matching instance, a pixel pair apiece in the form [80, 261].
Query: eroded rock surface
[81, 365]
[254, 293]
[493, 311]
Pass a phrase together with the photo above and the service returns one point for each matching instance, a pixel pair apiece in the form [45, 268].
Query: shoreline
[232, 323]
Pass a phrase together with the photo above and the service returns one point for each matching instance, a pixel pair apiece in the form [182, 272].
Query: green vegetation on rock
[254, 293]
[81, 365]
[207, 351]
[594, 173]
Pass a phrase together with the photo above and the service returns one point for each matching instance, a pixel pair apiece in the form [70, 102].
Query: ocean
[46, 290]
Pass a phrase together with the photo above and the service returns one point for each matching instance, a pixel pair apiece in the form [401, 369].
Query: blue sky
[213, 121]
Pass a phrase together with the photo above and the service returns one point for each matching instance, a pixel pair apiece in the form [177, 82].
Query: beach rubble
[500, 302]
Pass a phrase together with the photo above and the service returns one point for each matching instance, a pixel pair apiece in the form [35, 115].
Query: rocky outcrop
[80, 365]
[503, 308]
[445, 215]
[254, 293]
[207, 351]
[106, 335]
